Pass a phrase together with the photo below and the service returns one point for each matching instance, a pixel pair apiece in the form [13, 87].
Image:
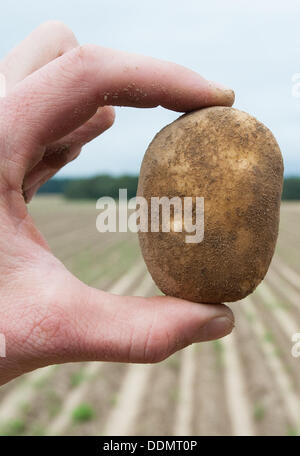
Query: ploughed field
[245, 384]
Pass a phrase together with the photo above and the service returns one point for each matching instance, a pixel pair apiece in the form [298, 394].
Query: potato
[234, 162]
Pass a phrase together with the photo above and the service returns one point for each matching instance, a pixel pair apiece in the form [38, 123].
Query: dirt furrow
[280, 308]
[236, 394]
[21, 395]
[287, 273]
[285, 390]
[261, 387]
[185, 404]
[122, 418]
[210, 412]
[156, 416]
[280, 327]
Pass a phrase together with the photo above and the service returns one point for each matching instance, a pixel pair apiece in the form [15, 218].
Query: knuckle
[160, 347]
[77, 58]
[156, 347]
[83, 53]
[80, 58]
[80, 54]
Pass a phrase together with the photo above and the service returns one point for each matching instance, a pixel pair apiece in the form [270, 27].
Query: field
[245, 384]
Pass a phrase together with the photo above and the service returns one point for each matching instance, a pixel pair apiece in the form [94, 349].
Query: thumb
[108, 327]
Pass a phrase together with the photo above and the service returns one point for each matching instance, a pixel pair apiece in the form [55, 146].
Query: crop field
[245, 384]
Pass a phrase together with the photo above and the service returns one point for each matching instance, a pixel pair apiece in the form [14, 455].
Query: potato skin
[234, 162]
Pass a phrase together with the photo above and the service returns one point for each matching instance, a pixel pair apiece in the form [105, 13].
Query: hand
[57, 100]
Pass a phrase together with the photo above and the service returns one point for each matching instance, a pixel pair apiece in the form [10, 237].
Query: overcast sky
[252, 46]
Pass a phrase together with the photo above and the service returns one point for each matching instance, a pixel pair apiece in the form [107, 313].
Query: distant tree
[55, 185]
[103, 185]
[291, 188]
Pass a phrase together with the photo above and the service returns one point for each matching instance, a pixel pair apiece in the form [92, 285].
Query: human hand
[59, 97]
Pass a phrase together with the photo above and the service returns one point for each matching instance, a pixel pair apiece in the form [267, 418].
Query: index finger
[65, 93]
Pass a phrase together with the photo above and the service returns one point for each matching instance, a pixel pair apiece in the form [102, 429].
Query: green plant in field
[38, 430]
[14, 427]
[249, 315]
[54, 401]
[268, 337]
[113, 400]
[83, 412]
[219, 350]
[258, 412]
[41, 383]
[277, 352]
[77, 378]
[292, 431]
[25, 407]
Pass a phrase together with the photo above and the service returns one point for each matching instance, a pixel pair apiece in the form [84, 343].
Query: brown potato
[234, 162]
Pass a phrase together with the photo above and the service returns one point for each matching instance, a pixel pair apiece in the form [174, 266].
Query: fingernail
[217, 85]
[28, 195]
[222, 95]
[216, 328]
[25, 196]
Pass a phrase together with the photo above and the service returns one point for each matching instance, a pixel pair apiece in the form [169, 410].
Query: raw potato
[234, 162]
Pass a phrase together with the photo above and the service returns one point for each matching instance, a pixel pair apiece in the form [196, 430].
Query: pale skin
[59, 97]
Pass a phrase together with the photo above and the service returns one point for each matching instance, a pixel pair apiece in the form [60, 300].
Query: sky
[252, 46]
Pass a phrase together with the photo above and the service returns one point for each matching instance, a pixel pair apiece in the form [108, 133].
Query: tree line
[92, 187]
[107, 185]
